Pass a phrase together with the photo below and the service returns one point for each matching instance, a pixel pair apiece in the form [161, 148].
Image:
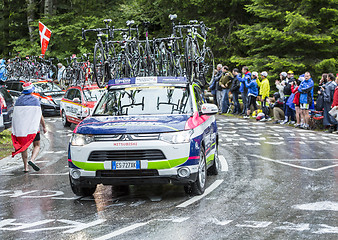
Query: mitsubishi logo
[126, 137]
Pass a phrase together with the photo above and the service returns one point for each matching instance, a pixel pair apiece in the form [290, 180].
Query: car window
[8, 98]
[92, 95]
[78, 94]
[41, 87]
[145, 101]
[15, 86]
[70, 94]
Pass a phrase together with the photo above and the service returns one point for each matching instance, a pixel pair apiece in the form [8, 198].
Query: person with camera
[328, 92]
[294, 90]
[225, 83]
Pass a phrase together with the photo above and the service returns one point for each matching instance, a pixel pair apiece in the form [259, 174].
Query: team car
[7, 106]
[49, 94]
[146, 130]
[78, 102]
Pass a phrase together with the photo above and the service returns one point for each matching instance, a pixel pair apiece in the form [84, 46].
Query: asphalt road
[277, 182]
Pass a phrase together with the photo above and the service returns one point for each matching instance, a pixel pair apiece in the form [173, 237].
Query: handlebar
[99, 30]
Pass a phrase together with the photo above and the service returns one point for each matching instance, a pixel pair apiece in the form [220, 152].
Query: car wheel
[81, 191]
[216, 167]
[198, 186]
[64, 120]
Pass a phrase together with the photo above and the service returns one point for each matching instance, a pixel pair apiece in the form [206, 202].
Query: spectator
[212, 87]
[218, 89]
[61, 68]
[281, 83]
[3, 70]
[294, 89]
[277, 108]
[234, 89]
[289, 113]
[243, 89]
[323, 80]
[264, 91]
[320, 97]
[252, 93]
[328, 92]
[306, 98]
[225, 84]
[335, 98]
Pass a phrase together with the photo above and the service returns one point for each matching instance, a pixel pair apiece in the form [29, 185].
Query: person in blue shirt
[306, 98]
[3, 70]
[243, 89]
[252, 87]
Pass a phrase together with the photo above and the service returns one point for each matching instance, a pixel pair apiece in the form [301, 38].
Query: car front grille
[127, 173]
[126, 137]
[126, 155]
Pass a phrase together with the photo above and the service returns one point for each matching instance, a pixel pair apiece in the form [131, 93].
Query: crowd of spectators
[293, 102]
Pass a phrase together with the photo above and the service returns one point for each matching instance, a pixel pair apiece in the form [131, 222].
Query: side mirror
[209, 109]
[76, 100]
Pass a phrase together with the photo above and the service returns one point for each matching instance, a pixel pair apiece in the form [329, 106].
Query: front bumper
[136, 177]
[49, 109]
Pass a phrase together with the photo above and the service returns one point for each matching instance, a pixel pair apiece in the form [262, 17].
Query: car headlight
[177, 137]
[81, 139]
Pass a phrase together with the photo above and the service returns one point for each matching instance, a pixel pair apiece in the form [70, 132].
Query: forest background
[266, 35]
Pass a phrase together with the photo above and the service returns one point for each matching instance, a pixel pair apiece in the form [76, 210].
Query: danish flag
[45, 34]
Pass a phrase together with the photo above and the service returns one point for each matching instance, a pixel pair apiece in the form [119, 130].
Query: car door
[208, 130]
[69, 106]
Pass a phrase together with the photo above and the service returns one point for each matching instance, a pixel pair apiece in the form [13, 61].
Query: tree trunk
[6, 28]
[48, 8]
[30, 18]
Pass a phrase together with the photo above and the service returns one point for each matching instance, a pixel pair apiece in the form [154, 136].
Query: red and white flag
[45, 34]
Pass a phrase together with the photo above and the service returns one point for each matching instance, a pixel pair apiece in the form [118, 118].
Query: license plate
[116, 165]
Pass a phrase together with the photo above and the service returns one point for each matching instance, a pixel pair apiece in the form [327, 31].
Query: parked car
[2, 125]
[49, 94]
[78, 103]
[146, 130]
[7, 105]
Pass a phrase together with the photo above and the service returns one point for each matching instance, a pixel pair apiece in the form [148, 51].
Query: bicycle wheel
[99, 66]
[189, 59]
[141, 63]
[208, 65]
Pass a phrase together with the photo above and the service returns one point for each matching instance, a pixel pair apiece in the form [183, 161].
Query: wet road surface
[277, 182]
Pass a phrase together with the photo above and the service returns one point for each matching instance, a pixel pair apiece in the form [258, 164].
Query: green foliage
[266, 35]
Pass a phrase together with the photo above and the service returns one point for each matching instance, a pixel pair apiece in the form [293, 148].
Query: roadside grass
[6, 146]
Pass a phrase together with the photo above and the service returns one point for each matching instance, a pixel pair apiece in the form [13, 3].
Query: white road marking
[180, 220]
[318, 206]
[295, 227]
[307, 160]
[326, 229]
[211, 188]
[71, 198]
[121, 231]
[254, 224]
[221, 223]
[293, 165]
[224, 164]
[50, 174]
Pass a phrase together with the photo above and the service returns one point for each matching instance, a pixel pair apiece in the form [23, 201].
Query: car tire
[216, 167]
[198, 187]
[64, 119]
[81, 191]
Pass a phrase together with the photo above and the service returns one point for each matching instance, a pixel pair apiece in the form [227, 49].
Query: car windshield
[93, 95]
[42, 87]
[145, 101]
